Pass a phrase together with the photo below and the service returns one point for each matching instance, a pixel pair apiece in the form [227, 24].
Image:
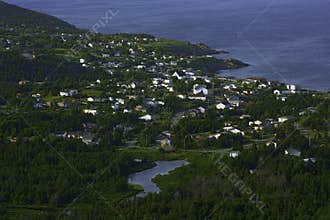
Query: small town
[161, 99]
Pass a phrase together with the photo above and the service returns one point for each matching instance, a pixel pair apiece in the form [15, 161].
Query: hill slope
[14, 15]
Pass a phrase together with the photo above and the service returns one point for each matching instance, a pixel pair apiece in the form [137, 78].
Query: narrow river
[144, 178]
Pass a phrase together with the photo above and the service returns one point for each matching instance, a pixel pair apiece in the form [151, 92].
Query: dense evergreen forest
[13, 15]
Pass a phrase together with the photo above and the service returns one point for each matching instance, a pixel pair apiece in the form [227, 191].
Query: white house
[258, 122]
[271, 143]
[262, 86]
[312, 159]
[190, 73]
[133, 85]
[120, 101]
[288, 92]
[201, 109]
[291, 87]
[180, 96]
[178, 75]
[277, 92]
[233, 130]
[230, 87]
[234, 154]
[64, 94]
[170, 89]
[216, 136]
[146, 117]
[140, 66]
[90, 99]
[37, 95]
[161, 103]
[200, 89]
[207, 80]
[197, 97]
[222, 106]
[237, 131]
[91, 111]
[228, 128]
[282, 98]
[138, 160]
[127, 111]
[234, 101]
[164, 142]
[284, 119]
[258, 128]
[156, 81]
[71, 92]
[244, 116]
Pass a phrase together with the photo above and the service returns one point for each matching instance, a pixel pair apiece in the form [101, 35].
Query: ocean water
[285, 40]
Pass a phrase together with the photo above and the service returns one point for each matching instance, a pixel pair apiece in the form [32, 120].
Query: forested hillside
[13, 15]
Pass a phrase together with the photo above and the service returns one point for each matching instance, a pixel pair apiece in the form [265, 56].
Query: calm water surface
[144, 178]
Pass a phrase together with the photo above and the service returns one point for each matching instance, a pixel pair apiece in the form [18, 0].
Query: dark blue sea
[285, 40]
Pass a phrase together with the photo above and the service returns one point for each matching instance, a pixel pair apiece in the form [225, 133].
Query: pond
[144, 178]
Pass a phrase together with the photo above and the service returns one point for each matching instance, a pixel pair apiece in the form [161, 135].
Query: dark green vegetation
[13, 15]
[182, 48]
[212, 64]
[78, 111]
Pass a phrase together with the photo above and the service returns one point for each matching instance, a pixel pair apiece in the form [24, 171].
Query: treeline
[14, 67]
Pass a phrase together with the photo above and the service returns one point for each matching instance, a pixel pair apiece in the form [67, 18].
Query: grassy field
[91, 92]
